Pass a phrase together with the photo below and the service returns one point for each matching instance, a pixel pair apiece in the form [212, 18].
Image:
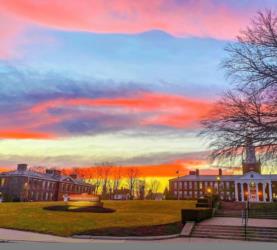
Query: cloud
[211, 18]
[137, 110]
[11, 33]
[22, 134]
[51, 105]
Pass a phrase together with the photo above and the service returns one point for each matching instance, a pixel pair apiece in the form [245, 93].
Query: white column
[264, 198]
[257, 192]
[270, 191]
[242, 191]
[248, 190]
[236, 191]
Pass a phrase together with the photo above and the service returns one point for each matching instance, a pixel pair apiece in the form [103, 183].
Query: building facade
[251, 186]
[25, 185]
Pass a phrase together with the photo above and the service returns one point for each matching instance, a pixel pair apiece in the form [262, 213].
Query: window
[2, 182]
[190, 185]
[227, 185]
[200, 185]
[175, 186]
[180, 185]
[185, 185]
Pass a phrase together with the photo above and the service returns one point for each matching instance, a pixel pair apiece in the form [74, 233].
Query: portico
[253, 187]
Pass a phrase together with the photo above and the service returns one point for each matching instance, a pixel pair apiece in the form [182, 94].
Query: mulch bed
[90, 209]
[156, 230]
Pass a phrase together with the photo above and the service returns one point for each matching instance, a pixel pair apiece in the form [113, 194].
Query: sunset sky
[120, 81]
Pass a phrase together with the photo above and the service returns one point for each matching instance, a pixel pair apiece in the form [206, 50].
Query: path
[229, 221]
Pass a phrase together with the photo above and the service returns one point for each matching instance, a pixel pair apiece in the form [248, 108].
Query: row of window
[41, 196]
[201, 184]
[74, 188]
[195, 194]
[40, 184]
[35, 184]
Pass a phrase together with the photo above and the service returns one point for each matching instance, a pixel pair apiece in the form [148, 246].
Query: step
[238, 229]
[250, 234]
[230, 237]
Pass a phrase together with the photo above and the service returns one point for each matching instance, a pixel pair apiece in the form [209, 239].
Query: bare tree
[106, 172]
[252, 60]
[154, 185]
[116, 178]
[132, 175]
[98, 178]
[249, 110]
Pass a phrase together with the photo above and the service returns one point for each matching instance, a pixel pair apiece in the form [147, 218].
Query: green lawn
[32, 217]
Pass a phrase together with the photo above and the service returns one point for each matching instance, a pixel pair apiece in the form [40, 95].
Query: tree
[235, 120]
[153, 188]
[116, 178]
[249, 110]
[132, 178]
[252, 60]
[106, 171]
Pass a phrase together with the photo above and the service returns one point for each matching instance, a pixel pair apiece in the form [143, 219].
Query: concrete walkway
[229, 221]
[8, 235]
[23, 236]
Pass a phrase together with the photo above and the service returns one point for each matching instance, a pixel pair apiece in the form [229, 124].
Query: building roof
[44, 176]
[272, 177]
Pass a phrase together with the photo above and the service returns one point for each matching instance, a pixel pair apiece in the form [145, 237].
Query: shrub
[195, 214]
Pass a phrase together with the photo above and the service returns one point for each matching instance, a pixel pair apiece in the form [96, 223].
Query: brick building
[251, 186]
[25, 185]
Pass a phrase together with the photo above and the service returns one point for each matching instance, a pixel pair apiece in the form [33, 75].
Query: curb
[145, 238]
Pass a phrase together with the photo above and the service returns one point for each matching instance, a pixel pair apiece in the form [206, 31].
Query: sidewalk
[22, 236]
[229, 221]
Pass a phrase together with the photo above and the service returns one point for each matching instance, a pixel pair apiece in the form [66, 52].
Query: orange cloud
[159, 170]
[163, 109]
[19, 134]
[186, 18]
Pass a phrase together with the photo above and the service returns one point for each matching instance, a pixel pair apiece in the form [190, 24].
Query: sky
[118, 81]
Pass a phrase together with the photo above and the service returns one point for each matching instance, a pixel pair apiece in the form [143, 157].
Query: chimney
[53, 172]
[57, 172]
[191, 172]
[197, 172]
[22, 167]
[49, 171]
[220, 172]
[74, 176]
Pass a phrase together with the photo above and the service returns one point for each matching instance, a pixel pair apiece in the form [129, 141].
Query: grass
[129, 215]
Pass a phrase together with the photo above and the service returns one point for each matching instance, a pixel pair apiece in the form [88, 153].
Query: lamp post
[177, 172]
[218, 179]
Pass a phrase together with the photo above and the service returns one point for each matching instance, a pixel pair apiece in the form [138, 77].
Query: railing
[245, 217]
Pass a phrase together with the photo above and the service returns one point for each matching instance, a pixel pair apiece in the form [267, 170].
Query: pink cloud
[160, 109]
[11, 30]
[187, 18]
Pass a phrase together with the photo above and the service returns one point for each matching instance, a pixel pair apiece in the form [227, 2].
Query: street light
[177, 172]
[218, 179]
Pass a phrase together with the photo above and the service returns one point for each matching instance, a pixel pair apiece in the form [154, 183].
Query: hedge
[195, 214]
